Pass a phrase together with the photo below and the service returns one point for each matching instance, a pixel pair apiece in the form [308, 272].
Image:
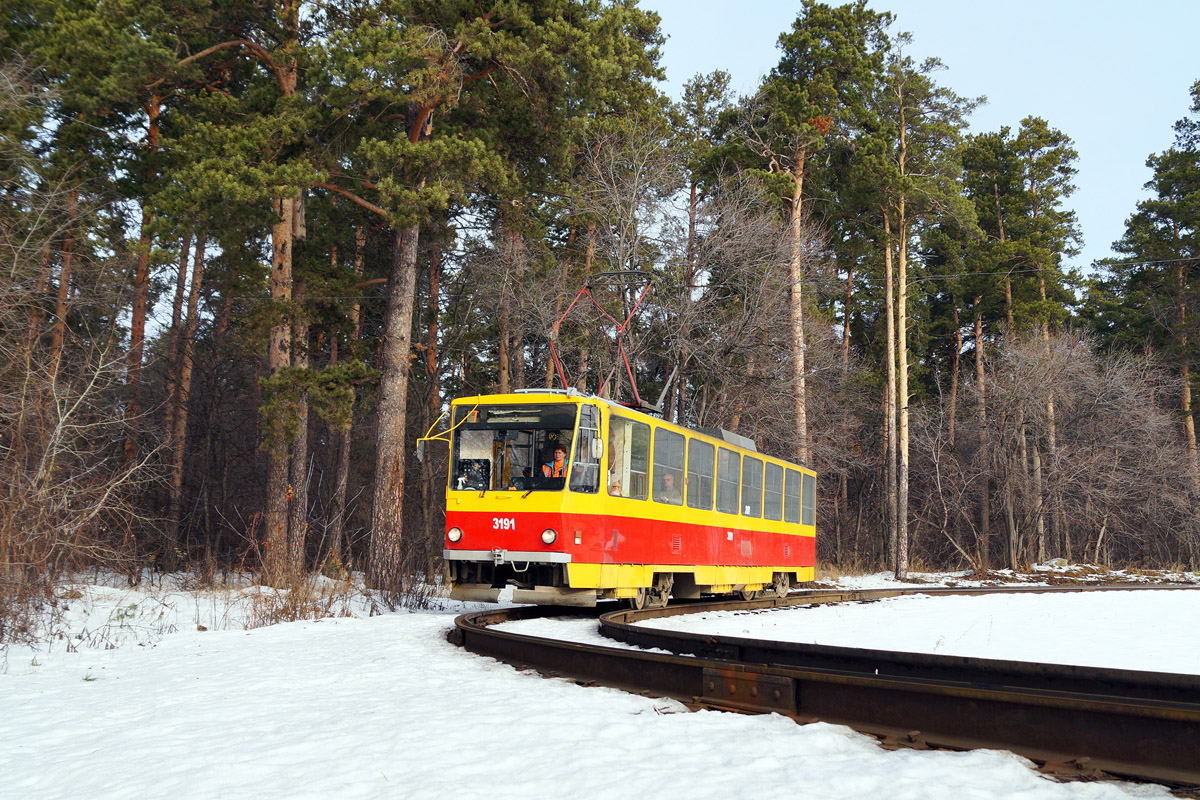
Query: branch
[258, 50]
[369, 206]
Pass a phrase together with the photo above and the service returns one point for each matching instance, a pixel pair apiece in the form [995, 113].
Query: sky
[1113, 75]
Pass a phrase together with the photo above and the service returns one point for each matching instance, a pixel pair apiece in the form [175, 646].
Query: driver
[557, 467]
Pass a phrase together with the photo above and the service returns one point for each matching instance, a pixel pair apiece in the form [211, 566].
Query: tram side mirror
[420, 452]
[597, 448]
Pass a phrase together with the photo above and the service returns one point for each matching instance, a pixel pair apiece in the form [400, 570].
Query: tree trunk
[58, 336]
[954, 366]
[387, 512]
[1051, 418]
[298, 463]
[173, 342]
[985, 510]
[279, 357]
[434, 405]
[1189, 422]
[503, 381]
[902, 358]
[1010, 519]
[1011, 330]
[796, 265]
[1008, 298]
[37, 317]
[846, 305]
[842, 501]
[588, 254]
[1040, 508]
[890, 422]
[902, 364]
[344, 436]
[141, 293]
[178, 436]
[285, 230]
[559, 299]
[1185, 399]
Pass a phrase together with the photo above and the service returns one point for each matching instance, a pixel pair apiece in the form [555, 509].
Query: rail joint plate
[749, 691]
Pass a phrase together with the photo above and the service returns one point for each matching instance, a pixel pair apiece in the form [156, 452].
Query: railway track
[1073, 721]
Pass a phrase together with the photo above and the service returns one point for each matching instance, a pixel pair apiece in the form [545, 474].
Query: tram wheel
[640, 600]
[781, 584]
[749, 594]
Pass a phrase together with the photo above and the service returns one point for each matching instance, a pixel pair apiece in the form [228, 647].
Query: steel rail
[1073, 720]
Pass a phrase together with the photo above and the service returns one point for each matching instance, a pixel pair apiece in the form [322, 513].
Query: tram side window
[791, 497]
[773, 492]
[628, 458]
[701, 471]
[585, 474]
[810, 500]
[728, 465]
[752, 480]
[668, 467]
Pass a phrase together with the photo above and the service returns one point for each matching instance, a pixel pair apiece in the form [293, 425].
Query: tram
[562, 498]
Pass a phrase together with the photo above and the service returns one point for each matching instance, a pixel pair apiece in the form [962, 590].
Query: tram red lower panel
[627, 540]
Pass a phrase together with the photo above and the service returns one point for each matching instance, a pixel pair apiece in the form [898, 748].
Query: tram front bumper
[507, 556]
[538, 595]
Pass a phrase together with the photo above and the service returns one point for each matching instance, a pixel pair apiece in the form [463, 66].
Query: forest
[252, 250]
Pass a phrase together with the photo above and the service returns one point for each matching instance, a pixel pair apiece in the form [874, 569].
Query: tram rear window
[809, 516]
[791, 497]
[512, 447]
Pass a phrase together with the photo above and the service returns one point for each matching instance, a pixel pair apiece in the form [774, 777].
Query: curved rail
[1073, 720]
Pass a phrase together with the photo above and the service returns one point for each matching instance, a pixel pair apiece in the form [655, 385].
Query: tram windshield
[512, 447]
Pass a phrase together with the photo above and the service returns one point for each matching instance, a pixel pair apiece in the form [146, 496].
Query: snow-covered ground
[136, 700]
[1134, 629]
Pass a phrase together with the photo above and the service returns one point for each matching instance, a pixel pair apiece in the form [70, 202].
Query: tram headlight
[549, 535]
[454, 534]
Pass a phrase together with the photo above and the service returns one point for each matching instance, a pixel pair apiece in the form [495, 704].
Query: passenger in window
[557, 466]
[614, 484]
[669, 492]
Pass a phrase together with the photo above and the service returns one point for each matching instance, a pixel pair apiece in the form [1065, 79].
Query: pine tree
[1148, 299]
[830, 61]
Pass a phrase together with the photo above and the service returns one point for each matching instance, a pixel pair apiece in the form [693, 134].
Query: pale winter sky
[1113, 75]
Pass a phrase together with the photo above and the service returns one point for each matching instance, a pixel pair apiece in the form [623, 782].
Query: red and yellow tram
[631, 507]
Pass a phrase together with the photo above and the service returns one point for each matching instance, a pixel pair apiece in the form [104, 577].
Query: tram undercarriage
[503, 579]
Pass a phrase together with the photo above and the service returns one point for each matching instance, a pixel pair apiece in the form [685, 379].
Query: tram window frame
[585, 466]
[773, 492]
[752, 487]
[728, 461]
[701, 473]
[502, 447]
[669, 450]
[809, 501]
[628, 458]
[791, 496]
